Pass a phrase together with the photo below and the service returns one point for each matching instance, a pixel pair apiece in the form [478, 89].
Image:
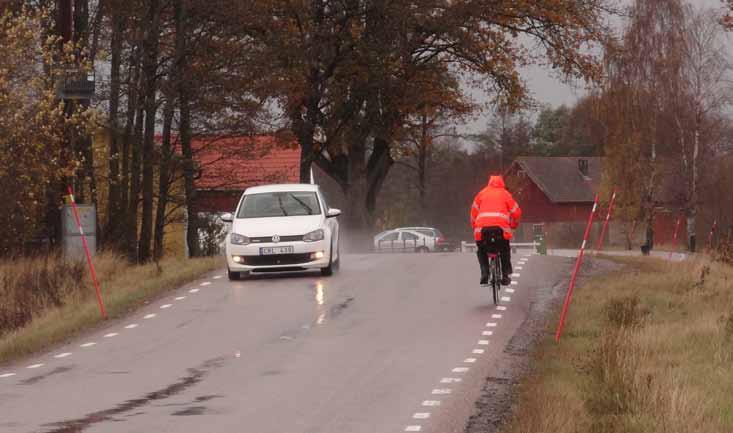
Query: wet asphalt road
[391, 343]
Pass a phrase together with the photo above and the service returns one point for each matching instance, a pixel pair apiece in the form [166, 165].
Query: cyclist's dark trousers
[500, 246]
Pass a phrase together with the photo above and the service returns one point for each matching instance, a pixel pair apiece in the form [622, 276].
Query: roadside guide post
[102, 310]
[578, 262]
[599, 245]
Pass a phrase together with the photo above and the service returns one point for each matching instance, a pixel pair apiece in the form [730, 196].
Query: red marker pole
[710, 236]
[89, 256]
[578, 262]
[674, 238]
[599, 245]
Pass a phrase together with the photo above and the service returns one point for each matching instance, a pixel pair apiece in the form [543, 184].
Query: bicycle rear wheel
[495, 282]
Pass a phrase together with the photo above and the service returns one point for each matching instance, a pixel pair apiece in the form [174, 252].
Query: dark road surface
[391, 343]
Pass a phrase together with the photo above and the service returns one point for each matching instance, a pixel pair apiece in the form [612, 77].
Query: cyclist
[494, 208]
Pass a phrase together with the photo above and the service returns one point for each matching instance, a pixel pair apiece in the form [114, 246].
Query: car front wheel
[234, 276]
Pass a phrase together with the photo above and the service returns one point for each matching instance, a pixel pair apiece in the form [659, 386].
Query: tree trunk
[114, 206]
[192, 236]
[164, 179]
[693, 193]
[134, 198]
[150, 72]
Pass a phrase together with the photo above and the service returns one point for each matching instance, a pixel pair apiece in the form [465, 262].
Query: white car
[282, 228]
[408, 239]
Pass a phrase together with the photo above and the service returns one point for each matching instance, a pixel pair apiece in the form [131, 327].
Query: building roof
[238, 163]
[560, 178]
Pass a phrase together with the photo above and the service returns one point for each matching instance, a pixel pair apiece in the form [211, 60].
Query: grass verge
[46, 301]
[647, 349]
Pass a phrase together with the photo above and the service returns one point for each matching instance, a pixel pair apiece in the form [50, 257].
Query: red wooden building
[228, 166]
[556, 195]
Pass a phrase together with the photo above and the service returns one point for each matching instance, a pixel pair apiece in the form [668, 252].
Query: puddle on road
[35, 379]
[195, 375]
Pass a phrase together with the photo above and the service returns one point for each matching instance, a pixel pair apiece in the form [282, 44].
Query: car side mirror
[333, 213]
[227, 217]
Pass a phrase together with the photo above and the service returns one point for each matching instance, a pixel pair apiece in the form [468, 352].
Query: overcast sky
[546, 88]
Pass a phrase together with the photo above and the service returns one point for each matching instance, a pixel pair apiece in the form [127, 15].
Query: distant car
[282, 228]
[408, 239]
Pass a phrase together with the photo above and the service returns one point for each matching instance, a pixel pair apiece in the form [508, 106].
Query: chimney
[583, 166]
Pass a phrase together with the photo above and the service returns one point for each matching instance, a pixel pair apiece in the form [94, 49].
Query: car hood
[281, 226]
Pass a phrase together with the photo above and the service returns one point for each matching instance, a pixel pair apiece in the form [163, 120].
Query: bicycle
[495, 275]
[489, 238]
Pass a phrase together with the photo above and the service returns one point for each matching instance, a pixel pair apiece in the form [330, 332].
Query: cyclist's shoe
[505, 280]
[484, 281]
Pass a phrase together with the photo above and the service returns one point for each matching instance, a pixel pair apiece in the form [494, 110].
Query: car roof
[416, 228]
[285, 187]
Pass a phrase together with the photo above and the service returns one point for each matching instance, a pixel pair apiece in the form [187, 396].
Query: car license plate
[270, 251]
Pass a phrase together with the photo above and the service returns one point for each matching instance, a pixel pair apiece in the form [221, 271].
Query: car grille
[277, 260]
[268, 239]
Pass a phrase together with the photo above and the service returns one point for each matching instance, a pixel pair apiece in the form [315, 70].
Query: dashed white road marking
[218, 276]
[3, 376]
[501, 307]
[491, 325]
[206, 283]
[509, 290]
[111, 334]
[90, 344]
[131, 326]
[469, 360]
[431, 403]
[450, 380]
[519, 268]
[62, 355]
[442, 391]
[483, 342]
[515, 275]
[413, 428]
[149, 316]
[460, 370]
[506, 299]
[421, 415]
[193, 291]
[496, 316]
[180, 298]
[487, 333]
[34, 366]
[478, 351]
[514, 283]
[164, 306]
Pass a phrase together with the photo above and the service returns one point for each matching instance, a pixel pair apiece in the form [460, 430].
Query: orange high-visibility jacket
[494, 206]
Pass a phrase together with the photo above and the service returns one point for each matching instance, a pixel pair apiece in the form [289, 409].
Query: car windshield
[279, 204]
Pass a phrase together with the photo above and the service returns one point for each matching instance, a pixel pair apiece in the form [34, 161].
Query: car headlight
[316, 235]
[237, 239]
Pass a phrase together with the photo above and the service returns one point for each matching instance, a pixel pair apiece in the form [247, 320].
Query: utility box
[73, 245]
[541, 244]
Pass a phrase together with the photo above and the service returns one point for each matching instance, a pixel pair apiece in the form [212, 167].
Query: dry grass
[648, 349]
[45, 301]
